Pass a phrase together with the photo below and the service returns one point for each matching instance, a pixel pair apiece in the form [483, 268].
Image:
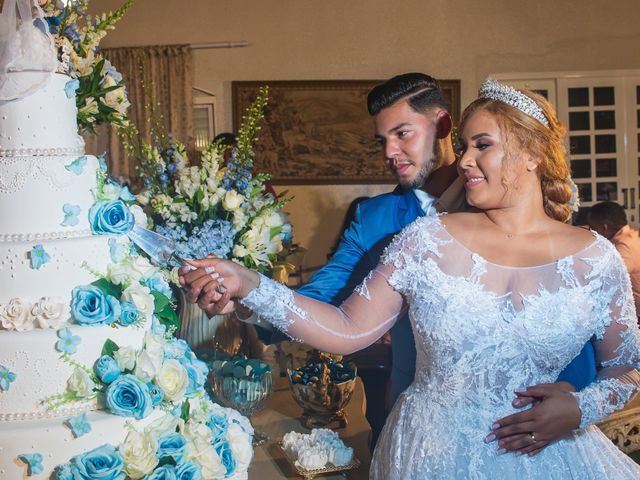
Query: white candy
[314, 450]
[312, 458]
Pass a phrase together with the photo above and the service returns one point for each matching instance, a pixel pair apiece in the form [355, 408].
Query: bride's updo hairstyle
[542, 138]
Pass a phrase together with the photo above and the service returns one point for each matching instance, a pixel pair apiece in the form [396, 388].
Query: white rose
[173, 380]
[141, 297]
[50, 313]
[80, 383]
[118, 274]
[16, 315]
[162, 426]
[126, 358]
[139, 215]
[111, 191]
[142, 266]
[139, 454]
[148, 365]
[275, 219]
[232, 200]
[240, 443]
[203, 452]
[196, 434]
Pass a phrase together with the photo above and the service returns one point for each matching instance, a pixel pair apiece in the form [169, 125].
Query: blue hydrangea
[71, 213]
[38, 256]
[117, 251]
[33, 461]
[214, 236]
[237, 176]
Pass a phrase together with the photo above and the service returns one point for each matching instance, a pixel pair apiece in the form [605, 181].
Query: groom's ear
[443, 124]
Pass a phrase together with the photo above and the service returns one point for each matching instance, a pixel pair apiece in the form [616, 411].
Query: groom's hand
[200, 287]
[554, 414]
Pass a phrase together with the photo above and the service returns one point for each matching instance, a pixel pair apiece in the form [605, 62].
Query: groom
[413, 125]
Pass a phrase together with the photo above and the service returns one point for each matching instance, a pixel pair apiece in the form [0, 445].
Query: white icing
[56, 278]
[40, 372]
[33, 191]
[46, 119]
[54, 440]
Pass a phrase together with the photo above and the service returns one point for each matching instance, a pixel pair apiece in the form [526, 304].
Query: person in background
[412, 125]
[610, 220]
[230, 141]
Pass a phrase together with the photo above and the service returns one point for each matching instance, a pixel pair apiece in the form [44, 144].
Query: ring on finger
[221, 289]
[533, 437]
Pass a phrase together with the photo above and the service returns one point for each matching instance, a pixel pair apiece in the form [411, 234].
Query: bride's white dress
[482, 331]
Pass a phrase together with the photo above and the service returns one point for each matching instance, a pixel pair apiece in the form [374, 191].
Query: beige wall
[370, 39]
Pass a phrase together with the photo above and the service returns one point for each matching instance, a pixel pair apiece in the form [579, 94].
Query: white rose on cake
[126, 357]
[139, 454]
[50, 313]
[141, 297]
[162, 426]
[138, 215]
[81, 384]
[173, 380]
[149, 359]
[16, 315]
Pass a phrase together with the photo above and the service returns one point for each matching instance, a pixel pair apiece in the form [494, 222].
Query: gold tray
[309, 474]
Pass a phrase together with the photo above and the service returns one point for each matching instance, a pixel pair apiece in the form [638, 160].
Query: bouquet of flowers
[213, 207]
[101, 96]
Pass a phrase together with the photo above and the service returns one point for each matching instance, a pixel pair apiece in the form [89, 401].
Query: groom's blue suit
[377, 220]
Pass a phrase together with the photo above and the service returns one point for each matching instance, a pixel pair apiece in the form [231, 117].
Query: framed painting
[319, 132]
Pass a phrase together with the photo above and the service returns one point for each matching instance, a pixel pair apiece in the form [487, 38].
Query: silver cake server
[161, 249]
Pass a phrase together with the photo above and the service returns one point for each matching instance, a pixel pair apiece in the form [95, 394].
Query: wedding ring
[533, 437]
[221, 289]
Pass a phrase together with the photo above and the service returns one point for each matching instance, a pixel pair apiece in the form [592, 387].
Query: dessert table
[282, 414]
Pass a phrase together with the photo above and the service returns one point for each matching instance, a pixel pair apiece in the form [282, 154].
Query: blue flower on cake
[70, 87]
[127, 396]
[91, 306]
[79, 425]
[71, 213]
[102, 463]
[68, 342]
[106, 369]
[172, 445]
[110, 218]
[33, 461]
[6, 377]
[38, 257]
[77, 166]
[129, 314]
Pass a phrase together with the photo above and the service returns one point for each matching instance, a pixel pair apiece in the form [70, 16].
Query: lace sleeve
[360, 320]
[617, 342]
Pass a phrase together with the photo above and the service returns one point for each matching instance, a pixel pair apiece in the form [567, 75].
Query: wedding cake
[92, 385]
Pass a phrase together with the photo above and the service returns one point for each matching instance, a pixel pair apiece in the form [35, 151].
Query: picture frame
[319, 131]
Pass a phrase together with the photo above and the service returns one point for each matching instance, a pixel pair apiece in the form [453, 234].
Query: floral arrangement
[203, 441]
[100, 93]
[213, 207]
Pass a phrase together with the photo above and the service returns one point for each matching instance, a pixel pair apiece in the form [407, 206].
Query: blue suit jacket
[377, 220]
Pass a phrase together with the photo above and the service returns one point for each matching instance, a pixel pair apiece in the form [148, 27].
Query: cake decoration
[77, 166]
[71, 213]
[79, 425]
[38, 256]
[6, 377]
[33, 461]
[68, 342]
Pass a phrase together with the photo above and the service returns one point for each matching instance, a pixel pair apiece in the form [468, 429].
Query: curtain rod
[202, 46]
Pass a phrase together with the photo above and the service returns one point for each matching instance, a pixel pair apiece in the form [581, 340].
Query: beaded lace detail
[482, 332]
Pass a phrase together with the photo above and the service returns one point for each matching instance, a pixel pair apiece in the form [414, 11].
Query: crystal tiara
[495, 90]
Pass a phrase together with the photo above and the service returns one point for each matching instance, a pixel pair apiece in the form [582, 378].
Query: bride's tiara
[495, 90]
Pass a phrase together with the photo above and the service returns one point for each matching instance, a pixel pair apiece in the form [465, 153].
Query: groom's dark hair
[421, 91]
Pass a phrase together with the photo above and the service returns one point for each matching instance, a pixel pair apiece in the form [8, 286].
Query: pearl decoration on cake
[26, 237]
[30, 152]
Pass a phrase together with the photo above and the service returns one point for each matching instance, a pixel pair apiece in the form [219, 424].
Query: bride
[501, 297]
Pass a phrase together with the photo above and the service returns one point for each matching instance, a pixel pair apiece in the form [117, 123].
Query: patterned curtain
[162, 74]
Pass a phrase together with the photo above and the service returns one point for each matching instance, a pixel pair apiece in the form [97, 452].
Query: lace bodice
[482, 330]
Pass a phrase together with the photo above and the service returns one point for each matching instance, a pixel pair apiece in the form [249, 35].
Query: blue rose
[188, 471]
[197, 372]
[172, 445]
[156, 393]
[159, 284]
[157, 328]
[165, 472]
[91, 306]
[129, 314]
[107, 369]
[226, 457]
[63, 472]
[110, 218]
[126, 195]
[102, 463]
[129, 397]
[218, 425]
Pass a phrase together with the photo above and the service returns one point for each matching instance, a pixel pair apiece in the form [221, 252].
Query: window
[203, 120]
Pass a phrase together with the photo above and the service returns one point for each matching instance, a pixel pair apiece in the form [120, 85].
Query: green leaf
[184, 413]
[109, 347]
[168, 317]
[160, 301]
[107, 287]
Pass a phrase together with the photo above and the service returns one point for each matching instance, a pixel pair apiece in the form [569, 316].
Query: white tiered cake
[38, 139]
